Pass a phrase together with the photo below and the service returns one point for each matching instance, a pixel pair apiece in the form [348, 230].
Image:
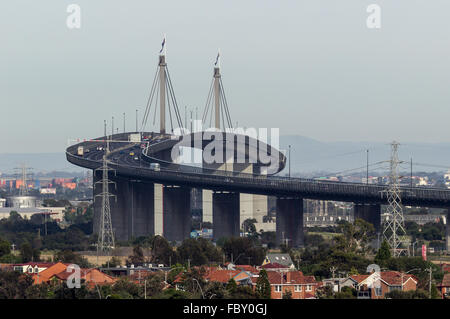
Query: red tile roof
[391, 278]
[274, 266]
[46, 274]
[359, 278]
[247, 268]
[290, 277]
[222, 275]
[445, 281]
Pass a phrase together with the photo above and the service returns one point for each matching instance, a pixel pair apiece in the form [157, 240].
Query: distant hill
[308, 156]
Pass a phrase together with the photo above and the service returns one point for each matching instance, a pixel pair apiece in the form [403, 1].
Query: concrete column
[142, 208]
[447, 230]
[132, 214]
[176, 213]
[370, 213]
[158, 202]
[225, 215]
[290, 221]
[207, 206]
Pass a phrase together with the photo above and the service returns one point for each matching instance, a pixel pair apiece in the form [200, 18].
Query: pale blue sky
[310, 67]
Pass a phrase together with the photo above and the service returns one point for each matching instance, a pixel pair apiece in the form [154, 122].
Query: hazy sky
[309, 67]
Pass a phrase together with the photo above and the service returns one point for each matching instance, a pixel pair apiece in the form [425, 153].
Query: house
[46, 274]
[247, 268]
[275, 267]
[241, 277]
[282, 259]
[368, 287]
[337, 284]
[31, 267]
[444, 287]
[91, 276]
[299, 285]
[58, 272]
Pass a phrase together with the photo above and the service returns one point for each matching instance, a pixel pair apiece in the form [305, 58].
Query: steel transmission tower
[106, 235]
[394, 224]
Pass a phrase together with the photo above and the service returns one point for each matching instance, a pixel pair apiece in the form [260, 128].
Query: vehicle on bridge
[155, 166]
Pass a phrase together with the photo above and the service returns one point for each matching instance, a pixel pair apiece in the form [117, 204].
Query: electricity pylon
[106, 235]
[394, 225]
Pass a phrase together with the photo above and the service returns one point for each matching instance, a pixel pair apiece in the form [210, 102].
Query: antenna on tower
[394, 226]
[106, 235]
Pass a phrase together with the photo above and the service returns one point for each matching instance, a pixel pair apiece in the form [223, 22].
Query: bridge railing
[290, 184]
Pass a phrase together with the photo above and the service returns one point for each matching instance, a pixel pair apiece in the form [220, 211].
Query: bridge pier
[371, 213]
[132, 214]
[176, 213]
[447, 230]
[225, 215]
[289, 226]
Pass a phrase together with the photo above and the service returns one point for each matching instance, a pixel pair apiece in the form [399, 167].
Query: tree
[383, 254]
[137, 258]
[199, 251]
[68, 256]
[5, 247]
[231, 286]
[26, 252]
[249, 226]
[244, 250]
[263, 285]
[113, 262]
[356, 237]
[161, 252]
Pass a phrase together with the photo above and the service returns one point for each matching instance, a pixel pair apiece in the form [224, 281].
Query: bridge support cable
[162, 89]
[150, 100]
[394, 226]
[216, 103]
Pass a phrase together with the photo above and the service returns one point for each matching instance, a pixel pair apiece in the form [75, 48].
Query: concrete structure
[289, 225]
[225, 215]
[21, 201]
[370, 213]
[136, 215]
[447, 233]
[132, 213]
[176, 213]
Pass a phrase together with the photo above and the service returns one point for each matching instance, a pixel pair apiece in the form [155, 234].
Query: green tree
[244, 250]
[356, 237]
[5, 247]
[68, 256]
[161, 252]
[26, 252]
[263, 285]
[137, 258]
[231, 286]
[383, 255]
[113, 262]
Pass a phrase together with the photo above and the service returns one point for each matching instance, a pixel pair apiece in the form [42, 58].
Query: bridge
[141, 184]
